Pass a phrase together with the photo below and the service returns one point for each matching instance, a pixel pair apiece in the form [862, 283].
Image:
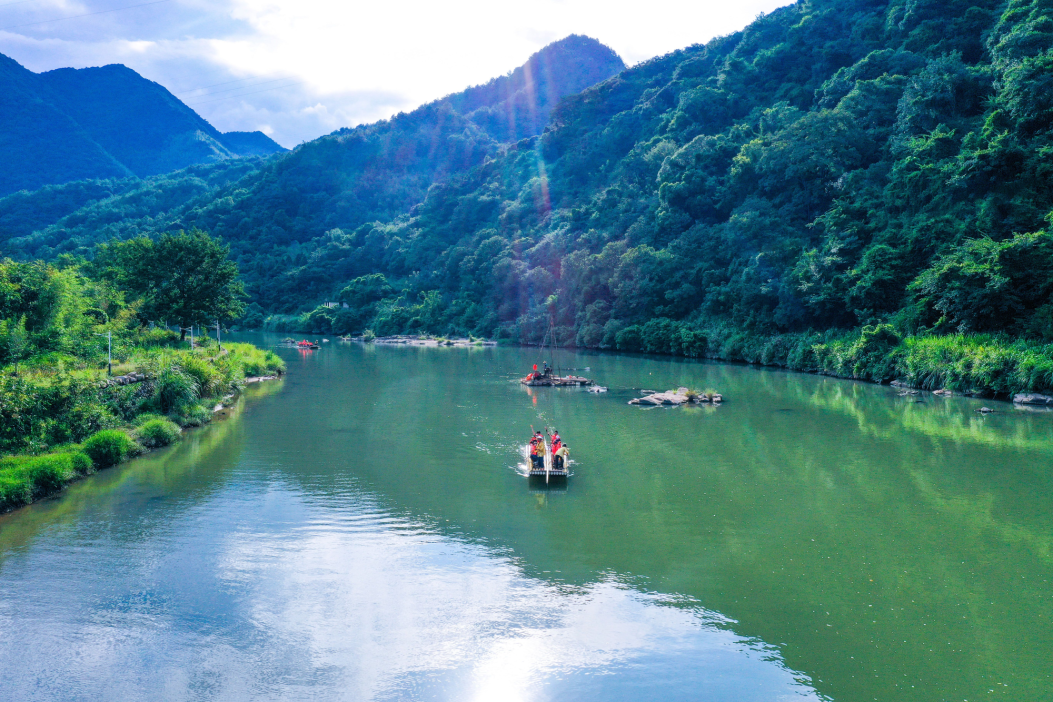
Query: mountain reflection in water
[363, 533]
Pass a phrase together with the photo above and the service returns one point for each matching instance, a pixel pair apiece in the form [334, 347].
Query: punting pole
[548, 462]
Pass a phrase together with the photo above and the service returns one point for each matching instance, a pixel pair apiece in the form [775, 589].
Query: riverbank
[61, 424]
[978, 365]
[994, 366]
[981, 365]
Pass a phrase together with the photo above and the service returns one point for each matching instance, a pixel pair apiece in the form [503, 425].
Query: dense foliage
[838, 165]
[56, 325]
[349, 178]
[184, 278]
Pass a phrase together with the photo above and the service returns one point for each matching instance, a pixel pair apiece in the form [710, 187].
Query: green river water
[361, 530]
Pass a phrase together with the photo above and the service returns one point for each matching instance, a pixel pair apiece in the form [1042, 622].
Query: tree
[17, 341]
[185, 277]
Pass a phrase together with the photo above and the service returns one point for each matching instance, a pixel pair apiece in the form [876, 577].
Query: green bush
[49, 473]
[26, 478]
[147, 417]
[157, 432]
[109, 447]
[14, 490]
[255, 361]
[206, 376]
[195, 416]
[175, 389]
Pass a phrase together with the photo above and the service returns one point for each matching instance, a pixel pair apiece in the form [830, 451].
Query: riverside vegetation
[60, 418]
[854, 187]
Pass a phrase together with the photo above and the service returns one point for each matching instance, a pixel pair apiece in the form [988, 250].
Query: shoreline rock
[675, 398]
[1033, 399]
[405, 340]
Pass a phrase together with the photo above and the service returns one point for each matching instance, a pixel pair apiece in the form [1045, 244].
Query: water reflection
[366, 531]
[279, 596]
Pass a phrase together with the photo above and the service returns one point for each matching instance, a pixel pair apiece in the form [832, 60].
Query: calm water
[360, 531]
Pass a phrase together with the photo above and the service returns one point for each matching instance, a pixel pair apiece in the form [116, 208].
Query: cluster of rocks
[129, 379]
[680, 396]
[421, 341]
[260, 379]
[1023, 400]
[1033, 399]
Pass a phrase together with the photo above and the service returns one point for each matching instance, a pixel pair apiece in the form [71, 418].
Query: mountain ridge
[349, 177]
[104, 122]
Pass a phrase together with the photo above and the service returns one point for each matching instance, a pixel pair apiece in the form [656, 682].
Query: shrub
[47, 474]
[25, 478]
[109, 447]
[147, 417]
[195, 416]
[80, 463]
[206, 377]
[254, 361]
[174, 388]
[157, 432]
[14, 490]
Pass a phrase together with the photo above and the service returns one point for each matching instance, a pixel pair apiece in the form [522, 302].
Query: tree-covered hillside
[838, 164]
[347, 179]
[107, 122]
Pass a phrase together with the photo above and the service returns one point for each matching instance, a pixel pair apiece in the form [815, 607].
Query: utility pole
[218, 340]
[109, 345]
[109, 351]
[191, 337]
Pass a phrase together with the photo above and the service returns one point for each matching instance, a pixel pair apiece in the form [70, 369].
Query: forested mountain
[71, 124]
[518, 105]
[836, 164]
[349, 178]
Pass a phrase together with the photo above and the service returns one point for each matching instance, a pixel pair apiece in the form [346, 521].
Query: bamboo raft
[547, 472]
[549, 379]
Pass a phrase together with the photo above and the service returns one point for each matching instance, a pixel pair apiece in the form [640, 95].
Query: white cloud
[360, 61]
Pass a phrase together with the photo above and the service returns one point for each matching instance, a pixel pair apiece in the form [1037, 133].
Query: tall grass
[26, 478]
[982, 364]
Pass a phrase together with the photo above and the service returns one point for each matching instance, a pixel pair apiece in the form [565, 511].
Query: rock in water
[1033, 398]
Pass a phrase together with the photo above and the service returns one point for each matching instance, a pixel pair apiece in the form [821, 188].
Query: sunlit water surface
[361, 531]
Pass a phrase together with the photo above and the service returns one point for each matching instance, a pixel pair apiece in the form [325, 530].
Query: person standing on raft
[537, 450]
[559, 458]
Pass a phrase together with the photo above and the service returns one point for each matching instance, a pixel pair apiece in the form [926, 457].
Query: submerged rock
[677, 397]
[1033, 398]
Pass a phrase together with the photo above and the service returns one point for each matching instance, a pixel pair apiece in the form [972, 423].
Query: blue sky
[297, 69]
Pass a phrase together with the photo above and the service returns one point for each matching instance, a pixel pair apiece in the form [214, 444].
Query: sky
[298, 69]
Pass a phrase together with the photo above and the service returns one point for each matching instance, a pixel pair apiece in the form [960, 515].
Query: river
[361, 531]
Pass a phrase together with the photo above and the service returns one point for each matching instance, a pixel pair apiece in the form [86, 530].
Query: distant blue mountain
[73, 124]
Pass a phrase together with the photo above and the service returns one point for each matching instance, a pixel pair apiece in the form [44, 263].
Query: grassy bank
[985, 365]
[64, 418]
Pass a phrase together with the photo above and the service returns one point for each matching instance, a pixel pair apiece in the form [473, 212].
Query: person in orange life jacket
[559, 459]
[556, 441]
[537, 450]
